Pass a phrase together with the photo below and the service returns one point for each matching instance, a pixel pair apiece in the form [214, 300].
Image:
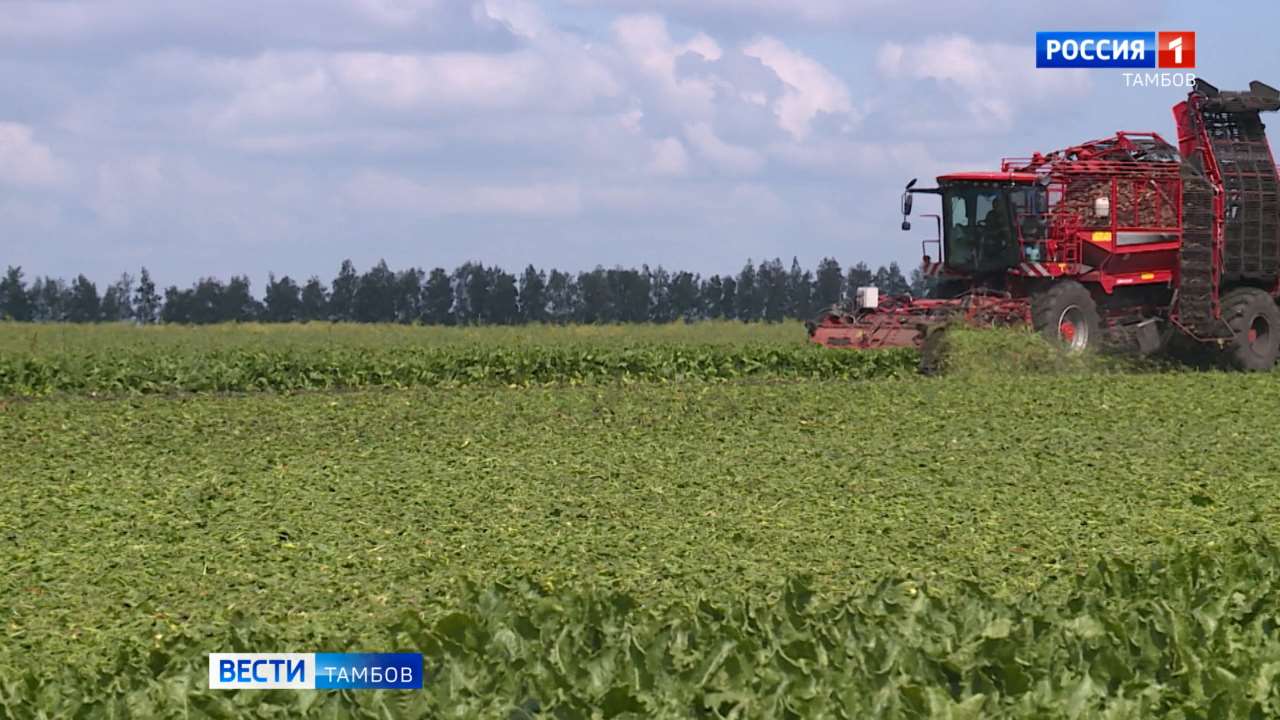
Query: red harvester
[1126, 234]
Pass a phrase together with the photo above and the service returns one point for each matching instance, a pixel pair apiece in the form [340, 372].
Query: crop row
[52, 338]
[315, 369]
[1193, 635]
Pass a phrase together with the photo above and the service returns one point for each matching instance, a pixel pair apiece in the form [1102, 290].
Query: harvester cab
[986, 219]
[1127, 235]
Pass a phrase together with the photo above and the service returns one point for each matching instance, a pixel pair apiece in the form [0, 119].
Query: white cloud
[332, 86]
[728, 103]
[699, 201]
[647, 45]
[234, 124]
[273, 87]
[39, 216]
[669, 158]
[395, 12]
[453, 80]
[48, 20]
[795, 11]
[523, 18]
[380, 190]
[992, 81]
[24, 162]
[810, 87]
[880, 161]
[723, 104]
[316, 23]
[132, 189]
[989, 19]
[312, 143]
[471, 81]
[733, 159]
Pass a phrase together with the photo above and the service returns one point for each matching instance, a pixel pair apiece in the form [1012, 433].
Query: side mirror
[906, 204]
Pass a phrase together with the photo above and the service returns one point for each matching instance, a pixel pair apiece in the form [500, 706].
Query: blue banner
[315, 671]
[368, 671]
[1063, 49]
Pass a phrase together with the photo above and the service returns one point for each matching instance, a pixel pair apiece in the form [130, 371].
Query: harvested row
[1190, 636]
[237, 370]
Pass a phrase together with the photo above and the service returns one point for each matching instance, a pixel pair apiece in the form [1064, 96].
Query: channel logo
[1065, 49]
[1177, 50]
[315, 671]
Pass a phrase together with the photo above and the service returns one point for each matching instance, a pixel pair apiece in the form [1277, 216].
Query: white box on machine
[868, 297]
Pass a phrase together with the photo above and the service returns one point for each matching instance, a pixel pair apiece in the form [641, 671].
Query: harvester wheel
[1255, 323]
[1066, 314]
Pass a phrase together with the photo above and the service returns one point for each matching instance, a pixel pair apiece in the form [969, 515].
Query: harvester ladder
[1067, 247]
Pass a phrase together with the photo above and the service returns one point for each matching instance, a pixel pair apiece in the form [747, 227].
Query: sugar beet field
[704, 521]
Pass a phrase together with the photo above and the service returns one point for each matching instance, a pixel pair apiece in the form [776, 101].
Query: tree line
[473, 294]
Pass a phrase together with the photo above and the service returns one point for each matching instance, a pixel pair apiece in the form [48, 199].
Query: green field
[51, 338]
[142, 531]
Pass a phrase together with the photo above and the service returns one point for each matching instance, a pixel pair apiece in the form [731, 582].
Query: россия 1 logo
[1121, 49]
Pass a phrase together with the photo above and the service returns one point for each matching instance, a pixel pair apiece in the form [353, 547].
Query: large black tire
[1067, 316]
[1255, 324]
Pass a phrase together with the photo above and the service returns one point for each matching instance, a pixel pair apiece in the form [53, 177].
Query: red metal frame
[904, 321]
[930, 263]
[1091, 251]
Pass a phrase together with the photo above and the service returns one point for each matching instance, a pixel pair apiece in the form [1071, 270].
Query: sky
[247, 136]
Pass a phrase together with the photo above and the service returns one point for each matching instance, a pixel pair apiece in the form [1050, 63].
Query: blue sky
[247, 137]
